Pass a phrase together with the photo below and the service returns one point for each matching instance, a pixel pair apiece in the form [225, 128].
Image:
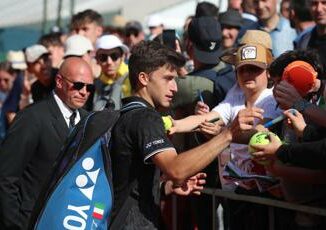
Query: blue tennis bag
[79, 192]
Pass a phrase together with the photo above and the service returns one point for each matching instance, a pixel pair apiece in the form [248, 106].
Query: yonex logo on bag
[80, 216]
[82, 180]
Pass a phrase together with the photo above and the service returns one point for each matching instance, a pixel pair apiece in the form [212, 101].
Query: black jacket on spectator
[308, 154]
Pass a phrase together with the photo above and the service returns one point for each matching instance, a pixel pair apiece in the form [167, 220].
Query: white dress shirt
[65, 110]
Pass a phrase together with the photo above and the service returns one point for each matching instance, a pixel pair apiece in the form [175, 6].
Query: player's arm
[178, 167]
[190, 123]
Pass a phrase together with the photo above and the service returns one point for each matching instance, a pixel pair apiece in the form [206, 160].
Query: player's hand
[193, 185]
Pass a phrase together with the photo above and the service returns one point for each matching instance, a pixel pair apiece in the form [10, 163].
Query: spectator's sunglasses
[103, 57]
[79, 85]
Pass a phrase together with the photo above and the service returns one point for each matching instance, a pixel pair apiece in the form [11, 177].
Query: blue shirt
[282, 36]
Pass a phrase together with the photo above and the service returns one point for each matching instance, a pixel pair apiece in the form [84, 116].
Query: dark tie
[72, 120]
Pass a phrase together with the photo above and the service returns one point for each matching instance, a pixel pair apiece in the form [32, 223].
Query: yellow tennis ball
[260, 138]
[167, 121]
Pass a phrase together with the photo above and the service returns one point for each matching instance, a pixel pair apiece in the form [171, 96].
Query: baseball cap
[16, 59]
[108, 42]
[257, 37]
[231, 18]
[205, 34]
[133, 26]
[301, 75]
[154, 21]
[77, 45]
[34, 52]
[250, 54]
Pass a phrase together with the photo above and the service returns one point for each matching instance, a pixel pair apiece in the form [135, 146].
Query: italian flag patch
[98, 211]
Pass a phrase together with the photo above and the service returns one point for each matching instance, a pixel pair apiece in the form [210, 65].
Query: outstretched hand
[266, 152]
[296, 121]
[285, 94]
[201, 108]
[193, 185]
[245, 121]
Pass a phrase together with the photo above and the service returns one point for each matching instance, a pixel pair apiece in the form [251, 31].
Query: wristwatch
[301, 105]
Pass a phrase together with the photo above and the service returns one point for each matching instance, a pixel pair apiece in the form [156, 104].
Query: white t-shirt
[228, 110]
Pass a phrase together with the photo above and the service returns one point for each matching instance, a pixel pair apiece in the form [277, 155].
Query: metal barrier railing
[271, 203]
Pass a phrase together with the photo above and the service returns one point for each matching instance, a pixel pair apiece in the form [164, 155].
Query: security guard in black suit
[34, 141]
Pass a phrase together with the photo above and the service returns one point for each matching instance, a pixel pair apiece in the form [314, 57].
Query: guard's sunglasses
[77, 85]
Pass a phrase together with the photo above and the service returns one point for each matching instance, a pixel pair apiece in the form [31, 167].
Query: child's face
[252, 78]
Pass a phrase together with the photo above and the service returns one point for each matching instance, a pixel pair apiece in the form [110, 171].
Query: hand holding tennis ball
[263, 145]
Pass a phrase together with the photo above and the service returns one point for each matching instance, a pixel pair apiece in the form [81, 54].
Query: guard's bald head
[72, 82]
[73, 64]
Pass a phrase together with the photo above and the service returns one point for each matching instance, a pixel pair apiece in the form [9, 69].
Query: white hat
[34, 52]
[108, 42]
[77, 45]
[16, 59]
[154, 21]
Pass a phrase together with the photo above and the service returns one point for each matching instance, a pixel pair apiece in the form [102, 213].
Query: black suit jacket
[26, 156]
